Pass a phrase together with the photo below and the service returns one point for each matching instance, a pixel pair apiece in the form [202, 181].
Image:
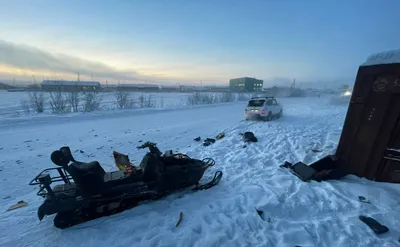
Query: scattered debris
[208, 142]
[1, 148]
[140, 141]
[197, 139]
[244, 146]
[179, 220]
[363, 199]
[95, 135]
[249, 137]
[375, 226]
[19, 162]
[19, 204]
[122, 162]
[205, 144]
[28, 141]
[39, 155]
[100, 147]
[81, 151]
[321, 170]
[7, 197]
[220, 136]
[260, 213]
[315, 150]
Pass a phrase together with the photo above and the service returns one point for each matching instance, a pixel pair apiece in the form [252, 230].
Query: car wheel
[268, 118]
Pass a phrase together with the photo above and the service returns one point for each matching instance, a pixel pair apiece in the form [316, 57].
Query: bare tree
[73, 100]
[26, 106]
[36, 100]
[243, 97]
[146, 102]
[198, 98]
[92, 100]
[227, 97]
[59, 102]
[123, 99]
[162, 102]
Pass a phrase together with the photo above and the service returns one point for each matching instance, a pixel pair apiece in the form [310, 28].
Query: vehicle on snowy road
[263, 108]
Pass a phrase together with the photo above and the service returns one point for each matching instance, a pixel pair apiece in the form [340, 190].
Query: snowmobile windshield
[256, 103]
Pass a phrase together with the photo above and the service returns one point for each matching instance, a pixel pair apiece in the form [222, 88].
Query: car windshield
[256, 103]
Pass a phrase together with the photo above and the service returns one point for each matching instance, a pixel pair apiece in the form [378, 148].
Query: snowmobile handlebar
[209, 161]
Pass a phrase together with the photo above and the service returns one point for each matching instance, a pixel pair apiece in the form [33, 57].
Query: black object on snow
[220, 136]
[321, 170]
[375, 226]
[208, 142]
[260, 213]
[249, 137]
[197, 139]
[205, 144]
[363, 199]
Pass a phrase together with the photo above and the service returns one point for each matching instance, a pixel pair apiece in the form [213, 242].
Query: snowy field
[295, 213]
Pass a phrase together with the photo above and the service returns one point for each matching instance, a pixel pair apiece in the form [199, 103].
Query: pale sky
[179, 41]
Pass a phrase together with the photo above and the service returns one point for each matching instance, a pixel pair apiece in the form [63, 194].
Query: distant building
[53, 85]
[137, 87]
[246, 84]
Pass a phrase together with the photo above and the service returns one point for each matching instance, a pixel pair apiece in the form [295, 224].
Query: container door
[389, 169]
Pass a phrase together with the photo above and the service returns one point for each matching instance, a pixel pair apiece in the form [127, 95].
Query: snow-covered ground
[295, 213]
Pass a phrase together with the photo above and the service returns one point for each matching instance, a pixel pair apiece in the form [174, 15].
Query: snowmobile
[87, 192]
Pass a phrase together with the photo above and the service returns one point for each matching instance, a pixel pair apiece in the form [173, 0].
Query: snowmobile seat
[87, 174]
[152, 167]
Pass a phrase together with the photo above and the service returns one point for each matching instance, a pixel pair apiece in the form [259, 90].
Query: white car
[264, 108]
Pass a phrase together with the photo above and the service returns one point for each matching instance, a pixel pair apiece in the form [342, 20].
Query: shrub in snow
[227, 97]
[59, 102]
[243, 97]
[73, 100]
[26, 106]
[146, 102]
[92, 101]
[198, 98]
[36, 100]
[124, 100]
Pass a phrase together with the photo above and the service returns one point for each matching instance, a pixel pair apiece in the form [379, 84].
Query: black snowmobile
[88, 192]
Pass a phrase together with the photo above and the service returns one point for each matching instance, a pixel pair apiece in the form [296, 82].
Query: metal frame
[44, 185]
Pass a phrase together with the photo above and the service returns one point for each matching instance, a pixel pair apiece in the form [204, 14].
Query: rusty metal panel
[370, 123]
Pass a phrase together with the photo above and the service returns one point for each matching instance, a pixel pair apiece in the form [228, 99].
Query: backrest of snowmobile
[152, 167]
[87, 175]
[178, 160]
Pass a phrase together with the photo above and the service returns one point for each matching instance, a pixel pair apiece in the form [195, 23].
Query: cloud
[22, 57]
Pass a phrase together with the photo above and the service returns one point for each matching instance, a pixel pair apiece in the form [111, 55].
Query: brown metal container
[371, 131]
